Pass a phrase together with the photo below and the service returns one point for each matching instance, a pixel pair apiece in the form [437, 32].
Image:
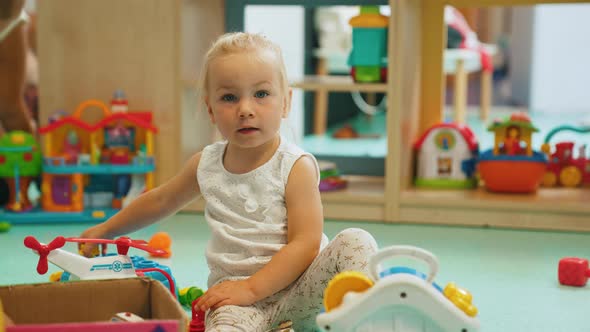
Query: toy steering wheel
[416, 253]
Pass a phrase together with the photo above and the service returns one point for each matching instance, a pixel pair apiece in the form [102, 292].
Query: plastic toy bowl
[512, 174]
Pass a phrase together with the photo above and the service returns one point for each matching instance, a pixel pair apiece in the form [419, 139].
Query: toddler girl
[268, 258]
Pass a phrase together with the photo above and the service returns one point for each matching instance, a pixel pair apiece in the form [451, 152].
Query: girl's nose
[245, 110]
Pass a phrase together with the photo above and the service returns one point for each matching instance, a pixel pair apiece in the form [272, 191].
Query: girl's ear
[287, 104]
[209, 110]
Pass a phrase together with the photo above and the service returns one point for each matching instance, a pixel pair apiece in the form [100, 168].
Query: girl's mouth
[248, 130]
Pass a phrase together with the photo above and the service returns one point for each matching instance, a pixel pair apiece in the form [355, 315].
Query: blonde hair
[236, 42]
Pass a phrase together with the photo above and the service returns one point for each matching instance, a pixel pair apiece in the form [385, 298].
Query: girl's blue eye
[261, 94]
[229, 98]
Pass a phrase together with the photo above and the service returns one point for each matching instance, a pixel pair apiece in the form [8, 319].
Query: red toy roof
[465, 131]
[142, 119]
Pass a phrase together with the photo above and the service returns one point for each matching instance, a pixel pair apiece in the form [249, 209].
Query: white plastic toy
[400, 300]
[102, 267]
[126, 317]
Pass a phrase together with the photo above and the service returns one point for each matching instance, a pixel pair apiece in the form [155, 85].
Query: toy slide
[400, 300]
[137, 188]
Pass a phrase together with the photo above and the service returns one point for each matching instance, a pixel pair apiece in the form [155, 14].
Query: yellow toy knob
[55, 276]
[461, 298]
[342, 283]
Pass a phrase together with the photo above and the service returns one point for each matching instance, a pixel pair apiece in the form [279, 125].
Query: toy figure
[71, 147]
[512, 141]
[119, 102]
[105, 155]
[119, 135]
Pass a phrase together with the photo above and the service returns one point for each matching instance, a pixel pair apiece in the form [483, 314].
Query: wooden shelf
[336, 83]
[360, 189]
[555, 208]
[363, 199]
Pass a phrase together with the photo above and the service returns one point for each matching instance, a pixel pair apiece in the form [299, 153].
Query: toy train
[563, 168]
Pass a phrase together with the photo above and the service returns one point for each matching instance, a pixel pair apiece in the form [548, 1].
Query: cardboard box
[89, 306]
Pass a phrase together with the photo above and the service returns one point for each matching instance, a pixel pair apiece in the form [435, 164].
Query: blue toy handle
[416, 253]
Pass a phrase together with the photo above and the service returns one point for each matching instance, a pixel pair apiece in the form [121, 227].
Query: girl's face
[245, 99]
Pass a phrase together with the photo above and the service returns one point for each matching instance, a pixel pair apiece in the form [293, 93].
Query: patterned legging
[302, 301]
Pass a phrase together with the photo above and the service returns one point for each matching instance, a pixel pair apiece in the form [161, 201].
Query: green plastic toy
[4, 226]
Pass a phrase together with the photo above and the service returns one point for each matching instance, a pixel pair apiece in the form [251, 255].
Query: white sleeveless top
[246, 212]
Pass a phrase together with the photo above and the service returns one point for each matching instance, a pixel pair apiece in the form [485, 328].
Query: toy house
[84, 163]
[446, 157]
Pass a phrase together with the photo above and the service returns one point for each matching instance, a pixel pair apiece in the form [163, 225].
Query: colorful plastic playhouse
[564, 167]
[90, 170]
[81, 158]
[20, 163]
[512, 166]
[396, 299]
[446, 156]
[368, 57]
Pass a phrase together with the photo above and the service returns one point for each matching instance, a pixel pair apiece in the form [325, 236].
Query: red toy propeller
[43, 250]
[123, 243]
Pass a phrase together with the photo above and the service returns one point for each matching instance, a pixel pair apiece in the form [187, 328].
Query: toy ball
[4, 226]
[162, 241]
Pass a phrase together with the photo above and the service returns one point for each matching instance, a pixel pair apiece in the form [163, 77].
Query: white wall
[556, 77]
[560, 79]
[285, 26]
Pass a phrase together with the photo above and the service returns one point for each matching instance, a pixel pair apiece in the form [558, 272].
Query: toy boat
[512, 174]
[512, 166]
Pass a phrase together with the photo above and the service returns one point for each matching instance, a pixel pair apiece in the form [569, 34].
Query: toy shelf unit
[363, 197]
[91, 170]
[418, 105]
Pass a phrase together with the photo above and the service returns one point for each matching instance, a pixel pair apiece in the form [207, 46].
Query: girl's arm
[304, 232]
[151, 206]
[305, 222]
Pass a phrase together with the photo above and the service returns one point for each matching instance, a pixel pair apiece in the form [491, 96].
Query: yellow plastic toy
[4, 320]
[55, 276]
[342, 283]
[461, 298]
[2, 329]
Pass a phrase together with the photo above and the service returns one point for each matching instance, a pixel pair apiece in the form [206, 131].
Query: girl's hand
[237, 292]
[94, 232]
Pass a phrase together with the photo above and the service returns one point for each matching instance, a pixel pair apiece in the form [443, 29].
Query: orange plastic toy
[162, 241]
[512, 165]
